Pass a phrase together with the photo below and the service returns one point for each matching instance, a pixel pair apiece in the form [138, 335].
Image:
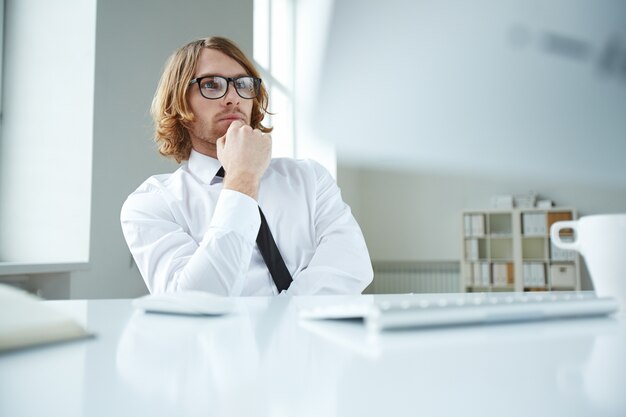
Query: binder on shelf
[503, 273]
[534, 274]
[534, 224]
[474, 225]
[486, 278]
[471, 249]
[499, 274]
[539, 273]
[526, 274]
[558, 254]
[477, 274]
[481, 274]
[467, 225]
[478, 225]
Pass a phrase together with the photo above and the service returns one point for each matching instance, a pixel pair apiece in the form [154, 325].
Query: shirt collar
[203, 166]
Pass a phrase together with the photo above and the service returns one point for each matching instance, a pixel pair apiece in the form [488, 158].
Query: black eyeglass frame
[257, 84]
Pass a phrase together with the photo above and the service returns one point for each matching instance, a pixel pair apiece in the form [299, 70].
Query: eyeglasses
[215, 86]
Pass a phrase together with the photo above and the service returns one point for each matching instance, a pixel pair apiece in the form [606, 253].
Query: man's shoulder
[159, 182]
[155, 194]
[292, 166]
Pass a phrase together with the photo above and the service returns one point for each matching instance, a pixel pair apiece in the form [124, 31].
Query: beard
[208, 132]
[205, 133]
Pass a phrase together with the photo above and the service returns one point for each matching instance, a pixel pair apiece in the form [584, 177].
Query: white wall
[409, 215]
[133, 41]
[45, 160]
[479, 86]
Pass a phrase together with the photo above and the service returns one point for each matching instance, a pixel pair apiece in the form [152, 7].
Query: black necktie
[269, 251]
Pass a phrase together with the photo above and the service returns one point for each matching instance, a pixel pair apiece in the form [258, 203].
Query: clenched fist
[245, 154]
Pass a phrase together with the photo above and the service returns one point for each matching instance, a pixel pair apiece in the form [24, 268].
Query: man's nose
[231, 97]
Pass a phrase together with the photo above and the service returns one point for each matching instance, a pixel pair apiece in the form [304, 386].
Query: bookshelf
[511, 250]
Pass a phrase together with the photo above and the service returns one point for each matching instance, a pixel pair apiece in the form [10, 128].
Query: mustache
[227, 113]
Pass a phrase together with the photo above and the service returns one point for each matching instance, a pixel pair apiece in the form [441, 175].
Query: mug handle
[556, 239]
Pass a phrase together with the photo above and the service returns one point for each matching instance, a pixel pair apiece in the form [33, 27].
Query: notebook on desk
[415, 311]
[26, 320]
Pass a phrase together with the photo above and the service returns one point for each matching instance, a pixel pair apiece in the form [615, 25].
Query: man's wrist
[243, 184]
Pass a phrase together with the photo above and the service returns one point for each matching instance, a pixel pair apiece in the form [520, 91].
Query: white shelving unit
[511, 250]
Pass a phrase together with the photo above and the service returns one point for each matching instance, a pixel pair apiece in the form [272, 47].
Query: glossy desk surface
[262, 360]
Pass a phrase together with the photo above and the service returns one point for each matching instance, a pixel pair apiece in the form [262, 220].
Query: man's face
[212, 117]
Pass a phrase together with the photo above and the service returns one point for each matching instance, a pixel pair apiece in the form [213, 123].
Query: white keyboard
[415, 310]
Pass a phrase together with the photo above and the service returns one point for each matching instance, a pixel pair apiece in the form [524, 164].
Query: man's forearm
[244, 184]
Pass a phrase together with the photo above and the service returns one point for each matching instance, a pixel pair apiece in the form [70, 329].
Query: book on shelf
[26, 320]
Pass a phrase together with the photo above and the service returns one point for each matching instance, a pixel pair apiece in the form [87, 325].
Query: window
[289, 40]
[273, 53]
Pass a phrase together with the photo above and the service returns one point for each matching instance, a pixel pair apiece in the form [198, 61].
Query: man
[231, 220]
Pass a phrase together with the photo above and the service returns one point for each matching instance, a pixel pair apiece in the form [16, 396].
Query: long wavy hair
[170, 109]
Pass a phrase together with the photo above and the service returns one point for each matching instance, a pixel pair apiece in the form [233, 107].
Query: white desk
[262, 361]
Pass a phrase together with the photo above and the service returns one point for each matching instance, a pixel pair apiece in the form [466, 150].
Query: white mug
[601, 240]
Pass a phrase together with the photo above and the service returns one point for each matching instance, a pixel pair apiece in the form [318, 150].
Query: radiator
[415, 277]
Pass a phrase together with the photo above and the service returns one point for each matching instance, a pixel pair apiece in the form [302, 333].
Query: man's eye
[245, 82]
[210, 85]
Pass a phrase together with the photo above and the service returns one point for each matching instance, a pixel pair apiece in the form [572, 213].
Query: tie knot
[220, 172]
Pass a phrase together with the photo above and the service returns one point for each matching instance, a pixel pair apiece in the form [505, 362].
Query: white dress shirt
[187, 233]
